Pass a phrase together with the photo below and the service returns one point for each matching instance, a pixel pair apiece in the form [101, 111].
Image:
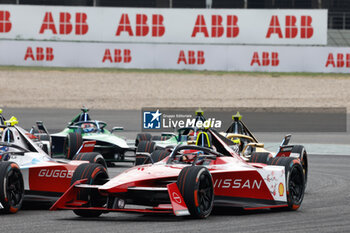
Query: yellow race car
[250, 149]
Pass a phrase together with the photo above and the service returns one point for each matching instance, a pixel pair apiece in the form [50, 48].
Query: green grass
[219, 73]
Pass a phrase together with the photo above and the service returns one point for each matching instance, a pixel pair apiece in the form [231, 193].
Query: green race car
[83, 128]
[160, 145]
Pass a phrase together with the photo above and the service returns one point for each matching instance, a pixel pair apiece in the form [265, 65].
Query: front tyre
[295, 182]
[303, 159]
[95, 174]
[11, 187]
[196, 186]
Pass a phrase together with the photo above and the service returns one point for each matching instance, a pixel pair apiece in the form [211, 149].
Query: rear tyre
[72, 143]
[295, 183]
[159, 155]
[303, 159]
[95, 174]
[144, 146]
[142, 137]
[11, 187]
[92, 157]
[196, 187]
[260, 157]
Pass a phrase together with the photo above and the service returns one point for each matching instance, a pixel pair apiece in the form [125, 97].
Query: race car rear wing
[41, 127]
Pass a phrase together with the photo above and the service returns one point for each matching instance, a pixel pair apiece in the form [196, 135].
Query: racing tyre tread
[159, 155]
[295, 182]
[72, 143]
[92, 157]
[11, 187]
[142, 137]
[196, 187]
[95, 174]
[144, 146]
[303, 159]
[260, 157]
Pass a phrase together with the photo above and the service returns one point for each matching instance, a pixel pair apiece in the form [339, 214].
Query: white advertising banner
[176, 56]
[180, 26]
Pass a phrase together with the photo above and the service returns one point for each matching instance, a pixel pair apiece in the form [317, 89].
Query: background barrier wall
[149, 38]
[169, 56]
[151, 25]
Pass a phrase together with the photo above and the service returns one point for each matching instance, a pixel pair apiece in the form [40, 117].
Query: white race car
[28, 173]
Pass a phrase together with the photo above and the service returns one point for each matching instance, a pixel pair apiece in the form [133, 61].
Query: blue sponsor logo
[152, 120]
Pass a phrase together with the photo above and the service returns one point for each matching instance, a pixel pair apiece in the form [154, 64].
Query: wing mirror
[144, 155]
[168, 135]
[286, 140]
[260, 145]
[250, 148]
[117, 128]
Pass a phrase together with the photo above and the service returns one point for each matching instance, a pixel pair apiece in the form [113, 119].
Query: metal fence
[339, 20]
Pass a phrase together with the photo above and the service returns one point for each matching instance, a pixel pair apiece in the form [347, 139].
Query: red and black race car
[27, 173]
[190, 181]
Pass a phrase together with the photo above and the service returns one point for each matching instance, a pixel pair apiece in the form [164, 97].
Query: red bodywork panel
[248, 184]
[177, 202]
[51, 178]
[88, 146]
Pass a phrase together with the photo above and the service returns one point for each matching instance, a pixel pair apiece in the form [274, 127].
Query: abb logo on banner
[266, 59]
[119, 54]
[191, 59]
[217, 27]
[65, 25]
[5, 23]
[305, 30]
[342, 60]
[142, 28]
[40, 55]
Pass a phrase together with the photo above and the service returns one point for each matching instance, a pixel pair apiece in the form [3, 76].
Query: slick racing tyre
[95, 174]
[92, 157]
[144, 146]
[11, 188]
[72, 143]
[196, 187]
[260, 157]
[295, 183]
[303, 159]
[156, 156]
[142, 137]
[159, 155]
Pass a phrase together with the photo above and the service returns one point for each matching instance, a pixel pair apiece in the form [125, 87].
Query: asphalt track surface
[326, 207]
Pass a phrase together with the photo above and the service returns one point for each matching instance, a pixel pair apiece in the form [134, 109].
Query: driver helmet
[236, 144]
[191, 136]
[88, 127]
[236, 141]
[3, 149]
